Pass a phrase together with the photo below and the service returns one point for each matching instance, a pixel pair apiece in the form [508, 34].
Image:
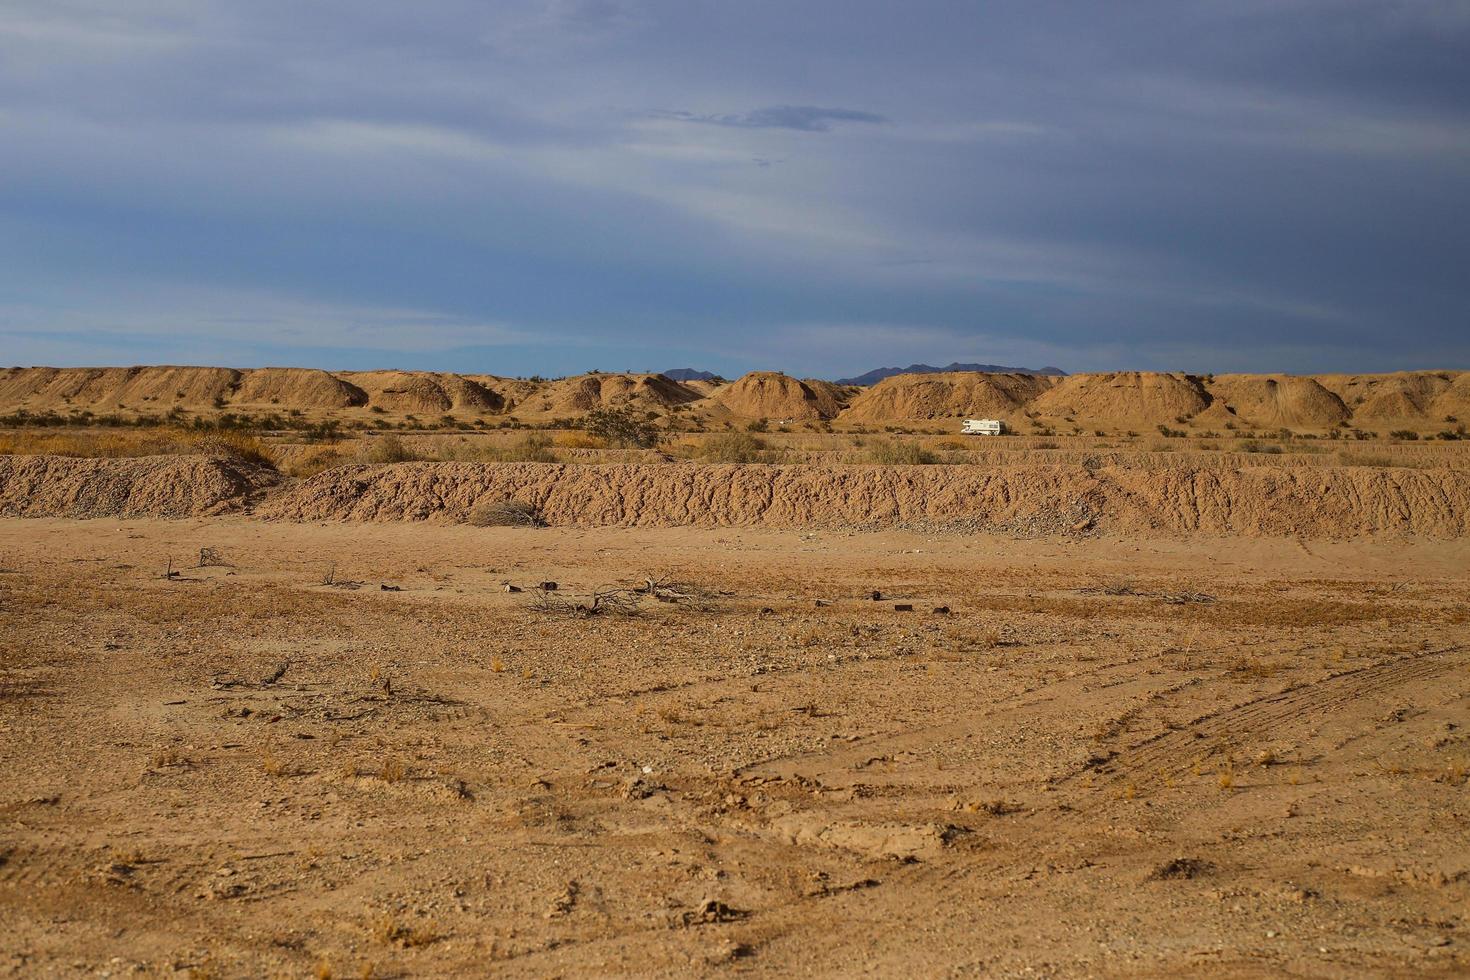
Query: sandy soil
[1111, 757]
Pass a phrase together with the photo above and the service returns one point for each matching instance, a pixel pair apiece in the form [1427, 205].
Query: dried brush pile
[504, 513]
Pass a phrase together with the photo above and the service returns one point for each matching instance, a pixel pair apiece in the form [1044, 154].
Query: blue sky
[548, 186]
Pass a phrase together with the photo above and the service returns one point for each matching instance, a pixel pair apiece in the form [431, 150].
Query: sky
[816, 186]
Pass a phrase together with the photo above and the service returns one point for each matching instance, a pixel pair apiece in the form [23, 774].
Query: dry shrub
[504, 513]
[578, 440]
[896, 452]
[390, 932]
[238, 445]
[387, 449]
[272, 764]
[315, 463]
[733, 447]
[1255, 668]
[161, 441]
[1360, 459]
[533, 448]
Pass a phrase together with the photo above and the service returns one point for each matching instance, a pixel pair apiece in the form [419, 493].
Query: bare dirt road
[347, 751]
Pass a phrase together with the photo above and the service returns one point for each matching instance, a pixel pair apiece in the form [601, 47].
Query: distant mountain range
[689, 374]
[878, 374]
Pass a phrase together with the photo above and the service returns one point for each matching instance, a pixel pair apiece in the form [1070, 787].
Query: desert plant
[732, 447]
[1356, 459]
[504, 513]
[576, 439]
[534, 448]
[893, 452]
[314, 463]
[620, 427]
[390, 932]
[387, 449]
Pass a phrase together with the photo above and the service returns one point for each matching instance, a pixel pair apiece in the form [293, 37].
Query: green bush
[620, 427]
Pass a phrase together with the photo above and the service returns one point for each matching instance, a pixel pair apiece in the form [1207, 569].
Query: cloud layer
[553, 185]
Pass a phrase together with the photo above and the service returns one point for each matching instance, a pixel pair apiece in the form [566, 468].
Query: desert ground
[346, 750]
[1175, 681]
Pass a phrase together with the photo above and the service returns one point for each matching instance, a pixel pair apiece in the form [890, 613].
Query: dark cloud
[1223, 184]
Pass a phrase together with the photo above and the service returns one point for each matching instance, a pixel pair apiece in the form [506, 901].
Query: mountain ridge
[878, 374]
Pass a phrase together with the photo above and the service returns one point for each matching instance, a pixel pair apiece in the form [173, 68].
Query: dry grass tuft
[504, 513]
[390, 932]
[1254, 668]
[892, 452]
[166, 757]
[387, 449]
[126, 443]
[577, 439]
[272, 764]
[734, 447]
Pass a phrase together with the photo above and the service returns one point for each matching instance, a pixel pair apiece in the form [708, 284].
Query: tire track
[1101, 678]
[1175, 749]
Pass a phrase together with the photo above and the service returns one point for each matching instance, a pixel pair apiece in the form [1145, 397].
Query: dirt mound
[772, 395]
[186, 386]
[1317, 502]
[62, 387]
[424, 391]
[106, 389]
[150, 486]
[1279, 400]
[647, 392]
[1403, 395]
[297, 388]
[1125, 396]
[1454, 401]
[956, 394]
[510, 392]
[1218, 415]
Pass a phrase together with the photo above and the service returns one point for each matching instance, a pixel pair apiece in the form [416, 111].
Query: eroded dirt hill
[1030, 500]
[1423, 400]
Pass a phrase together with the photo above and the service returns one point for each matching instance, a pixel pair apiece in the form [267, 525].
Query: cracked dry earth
[1110, 758]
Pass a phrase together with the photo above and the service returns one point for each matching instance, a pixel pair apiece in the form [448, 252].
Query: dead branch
[602, 601]
[664, 588]
[210, 557]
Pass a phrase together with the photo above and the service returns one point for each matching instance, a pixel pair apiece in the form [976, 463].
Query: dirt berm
[1265, 501]
[150, 486]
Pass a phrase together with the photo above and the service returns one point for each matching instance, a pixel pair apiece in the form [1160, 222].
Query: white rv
[983, 427]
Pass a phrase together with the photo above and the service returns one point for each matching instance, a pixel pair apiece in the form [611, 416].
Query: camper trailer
[983, 427]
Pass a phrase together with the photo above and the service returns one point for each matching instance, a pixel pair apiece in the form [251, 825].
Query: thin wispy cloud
[802, 118]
